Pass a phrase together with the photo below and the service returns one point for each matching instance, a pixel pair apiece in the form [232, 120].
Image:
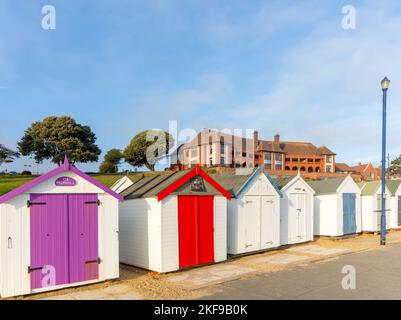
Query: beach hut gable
[55, 173]
[187, 177]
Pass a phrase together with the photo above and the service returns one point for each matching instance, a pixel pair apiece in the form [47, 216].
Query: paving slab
[319, 250]
[280, 258]
[209, 275]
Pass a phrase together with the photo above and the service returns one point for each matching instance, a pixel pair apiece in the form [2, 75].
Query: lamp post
[384, 84]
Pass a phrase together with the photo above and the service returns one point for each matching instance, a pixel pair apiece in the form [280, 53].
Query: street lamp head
[385, 83]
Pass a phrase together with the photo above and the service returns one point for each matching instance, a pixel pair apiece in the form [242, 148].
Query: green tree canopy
[147, 148]
[111, 161]
[55, 137]
[7, 155]
[395, 166]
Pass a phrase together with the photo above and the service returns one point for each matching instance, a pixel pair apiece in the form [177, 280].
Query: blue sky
[283, 67]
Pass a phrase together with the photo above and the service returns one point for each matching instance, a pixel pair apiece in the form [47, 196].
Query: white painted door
[269, 223]
[297, 218]
[251, 223]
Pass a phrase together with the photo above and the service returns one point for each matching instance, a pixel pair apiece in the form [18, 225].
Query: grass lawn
[8, 183]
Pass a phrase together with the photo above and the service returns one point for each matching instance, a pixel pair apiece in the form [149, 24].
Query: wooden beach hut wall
[296, 210]
[56, 231]
[253, 214]
[371, 206]
[174, 221]
[337, 207]
[394, 187]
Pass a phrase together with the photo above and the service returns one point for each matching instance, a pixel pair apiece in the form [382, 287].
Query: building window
[210, 140]
[211, 161]
[222, 148]
[222, 160]
[268, 160]
[194, 153]
[210, 149]
[328, 168]
[328, 159]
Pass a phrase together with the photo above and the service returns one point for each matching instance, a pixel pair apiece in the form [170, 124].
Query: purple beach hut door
[84, 252]
[64, 239]
[49, 240]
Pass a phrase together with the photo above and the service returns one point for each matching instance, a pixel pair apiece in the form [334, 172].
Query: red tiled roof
[301, 148]
[343, 167]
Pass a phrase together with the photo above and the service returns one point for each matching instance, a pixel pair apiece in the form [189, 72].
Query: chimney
[255, 136]
[276, 138]
[255, 140]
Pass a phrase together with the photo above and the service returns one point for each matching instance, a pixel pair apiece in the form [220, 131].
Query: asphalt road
[377, 276]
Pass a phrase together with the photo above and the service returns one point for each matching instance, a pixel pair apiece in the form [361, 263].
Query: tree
[395, 167]
[147, 148]
[7, 155]
[55, 137]
[111, 161]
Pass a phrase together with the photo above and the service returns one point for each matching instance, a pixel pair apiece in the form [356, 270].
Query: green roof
[393, 185]
[369, 187]
[327, 186]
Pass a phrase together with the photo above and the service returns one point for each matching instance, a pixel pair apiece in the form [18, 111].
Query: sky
[123, 66]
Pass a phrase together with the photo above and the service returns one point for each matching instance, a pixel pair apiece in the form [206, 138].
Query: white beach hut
[394, 187]
[337, 207]
[253, 216]
[174, 221]
[371, 206]
[296, 210]
[56, 231]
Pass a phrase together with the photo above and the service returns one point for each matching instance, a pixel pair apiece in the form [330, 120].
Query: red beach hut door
[195, 230]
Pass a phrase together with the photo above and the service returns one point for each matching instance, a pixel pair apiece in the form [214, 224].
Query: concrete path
[196, 278]
[377, 276]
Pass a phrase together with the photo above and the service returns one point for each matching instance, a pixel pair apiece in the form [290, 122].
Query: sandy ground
[151, 285]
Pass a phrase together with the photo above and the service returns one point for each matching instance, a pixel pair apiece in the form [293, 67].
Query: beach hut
[337, 207]
[121, 184]
[253, 213]
[394, 187]
[296, 210]
[174, 221]
[58, 230]
[371, 205]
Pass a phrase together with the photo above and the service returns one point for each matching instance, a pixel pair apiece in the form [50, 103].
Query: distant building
[214, 148]
[280, 155]
[366, 170]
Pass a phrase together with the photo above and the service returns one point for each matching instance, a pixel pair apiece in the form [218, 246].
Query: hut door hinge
[93, 202]
[98, 260]
[30, 269]
[29, 203]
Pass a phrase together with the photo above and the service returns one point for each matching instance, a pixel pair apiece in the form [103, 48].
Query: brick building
[366, 170]
[215, 148]
[293, 156]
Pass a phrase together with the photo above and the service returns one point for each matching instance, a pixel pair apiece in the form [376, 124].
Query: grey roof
[282, 181]
[327, 186]
[233, 183]
[149, 187]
